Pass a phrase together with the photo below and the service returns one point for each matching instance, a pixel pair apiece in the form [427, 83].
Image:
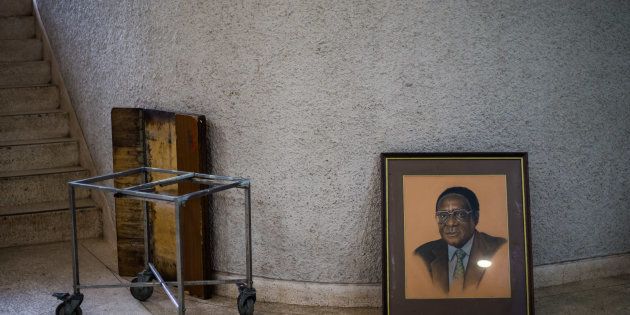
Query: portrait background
[420, 193]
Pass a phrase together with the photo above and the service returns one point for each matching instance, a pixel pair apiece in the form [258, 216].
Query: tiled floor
[597, 296]
[29, 274]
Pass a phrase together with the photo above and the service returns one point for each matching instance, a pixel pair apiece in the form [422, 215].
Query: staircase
[38, 153]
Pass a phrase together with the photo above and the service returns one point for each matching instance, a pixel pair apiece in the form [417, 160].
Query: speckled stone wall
[303, 96]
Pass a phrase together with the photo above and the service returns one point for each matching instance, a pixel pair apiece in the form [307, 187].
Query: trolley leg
[147, 232]
[71, 302]
[248, 235]
[75, 251]
[246, 292]
[180, 266]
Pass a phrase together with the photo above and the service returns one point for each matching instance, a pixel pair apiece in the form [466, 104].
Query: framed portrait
[456, 234]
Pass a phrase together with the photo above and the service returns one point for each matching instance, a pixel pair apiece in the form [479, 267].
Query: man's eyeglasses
[461, 215]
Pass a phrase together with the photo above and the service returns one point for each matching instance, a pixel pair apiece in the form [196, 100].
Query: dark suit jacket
[435, 256]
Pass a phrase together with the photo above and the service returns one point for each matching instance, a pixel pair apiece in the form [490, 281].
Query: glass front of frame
[431, 261]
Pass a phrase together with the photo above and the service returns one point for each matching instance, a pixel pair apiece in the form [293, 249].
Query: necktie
[458, 274]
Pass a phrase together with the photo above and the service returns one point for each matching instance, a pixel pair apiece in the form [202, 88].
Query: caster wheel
[70, 304]
[246, 299]
[246, 308]
[140, 293]
[60, 310]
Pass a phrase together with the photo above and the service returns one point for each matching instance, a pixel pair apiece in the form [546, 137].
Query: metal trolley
[142, 287]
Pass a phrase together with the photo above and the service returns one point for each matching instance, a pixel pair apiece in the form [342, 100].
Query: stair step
[17, 27]
[34, 154]
[12, 50]
[45, 207]
[28, 99]
[24, 73]
[46, 227]
[37, 186]
[34, 125]
[36, 141]
[16, 7]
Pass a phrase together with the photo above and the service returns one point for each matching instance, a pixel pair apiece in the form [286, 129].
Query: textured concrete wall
[303, 96]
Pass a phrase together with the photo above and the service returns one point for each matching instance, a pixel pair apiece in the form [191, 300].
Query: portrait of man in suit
[458, 260]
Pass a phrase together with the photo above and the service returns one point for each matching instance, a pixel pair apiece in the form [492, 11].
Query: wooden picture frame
[456, 234]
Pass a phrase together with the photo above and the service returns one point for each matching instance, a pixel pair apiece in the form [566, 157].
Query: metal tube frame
[216, 183]
[248, 233]
[147, 229]
[75, 246]
[161, 283]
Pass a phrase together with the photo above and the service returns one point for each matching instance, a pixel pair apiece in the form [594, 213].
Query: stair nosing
[22, 86]
[2, 63]
[43, 171]
[36, 141]
[79, 209]
[16, 16]
[50, 206]
[8, 16]
[35, 112]
[20, 39]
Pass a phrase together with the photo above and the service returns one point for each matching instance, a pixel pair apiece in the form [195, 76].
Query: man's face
[453, 231]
